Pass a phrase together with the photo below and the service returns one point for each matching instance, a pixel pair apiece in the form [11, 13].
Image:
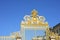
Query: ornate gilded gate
[34, 22]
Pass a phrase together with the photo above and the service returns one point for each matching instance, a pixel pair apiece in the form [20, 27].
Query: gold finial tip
[34, 13]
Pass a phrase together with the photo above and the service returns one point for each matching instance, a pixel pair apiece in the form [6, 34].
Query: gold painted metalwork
[34, 13]
[34, 20]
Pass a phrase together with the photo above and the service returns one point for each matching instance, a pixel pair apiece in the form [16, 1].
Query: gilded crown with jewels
[34, 20]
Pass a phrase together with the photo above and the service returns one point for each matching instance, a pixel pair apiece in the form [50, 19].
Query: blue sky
[13, 11]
